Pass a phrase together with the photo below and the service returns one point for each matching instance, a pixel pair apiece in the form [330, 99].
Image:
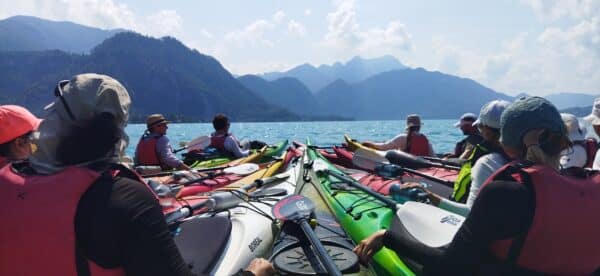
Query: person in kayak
[594, 120]
[223, 140]
[75, 199]
[486, 158]
[463, 148]
[17, 125]
[575, 156]
[412, 141]
[154, 148]
[550, 225]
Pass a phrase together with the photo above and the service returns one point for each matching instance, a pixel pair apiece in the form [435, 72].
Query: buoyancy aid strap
[519, 242]
[81, 262]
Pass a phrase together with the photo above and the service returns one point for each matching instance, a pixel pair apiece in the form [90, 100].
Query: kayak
[259, 156]
[292, 253]
[243, 230]
[359, 216]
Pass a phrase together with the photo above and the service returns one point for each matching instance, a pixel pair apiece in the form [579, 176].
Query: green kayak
[272, 151]
[359, 214]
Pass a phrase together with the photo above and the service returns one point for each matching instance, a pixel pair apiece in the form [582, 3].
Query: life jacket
[462, 185]
[417, 144]
[3, 161]
[591, 147]
[38, 233]
[563, 235]
[218, 141]
[145, 152]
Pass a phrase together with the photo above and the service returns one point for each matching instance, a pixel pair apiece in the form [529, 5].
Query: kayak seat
[200, 245]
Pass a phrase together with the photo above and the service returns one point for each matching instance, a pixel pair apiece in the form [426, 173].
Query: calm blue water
[441, 133]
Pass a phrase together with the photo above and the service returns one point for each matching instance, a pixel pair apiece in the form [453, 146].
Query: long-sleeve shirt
[398, 143]
[484, 167]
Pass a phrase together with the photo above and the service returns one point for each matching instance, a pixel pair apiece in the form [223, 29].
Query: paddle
[198, 143]
[232, 169]
[299, 210]
[243, 169]
[223, 200]
[445, 161]
[400, 170]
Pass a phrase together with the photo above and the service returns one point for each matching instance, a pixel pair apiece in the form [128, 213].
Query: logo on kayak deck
[450, 219]
[254, 244]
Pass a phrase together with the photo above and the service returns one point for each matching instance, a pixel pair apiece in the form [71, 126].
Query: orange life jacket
[37, 236]
[218, 141]
[563, 236]
[145, 152]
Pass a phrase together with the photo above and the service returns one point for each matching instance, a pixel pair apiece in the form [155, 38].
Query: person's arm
[481, 171]
[119, 223]
[166, 155]
[232, 146]
[397, 142]
[501, 211]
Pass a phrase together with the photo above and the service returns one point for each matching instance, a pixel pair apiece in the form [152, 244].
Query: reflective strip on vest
[563, 237]
[145, 153]
[37, 236]
[462, 185]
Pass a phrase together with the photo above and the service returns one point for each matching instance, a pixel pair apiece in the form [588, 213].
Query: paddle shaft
[350, 181]
[199, 179]
[322, 254]
[195, 170]
[424, 175]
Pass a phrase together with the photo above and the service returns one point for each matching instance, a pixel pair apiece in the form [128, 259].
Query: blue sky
[513, 46]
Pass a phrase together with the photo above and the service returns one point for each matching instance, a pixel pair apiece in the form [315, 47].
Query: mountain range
[355, 70]
[165, 76]
[28, 33]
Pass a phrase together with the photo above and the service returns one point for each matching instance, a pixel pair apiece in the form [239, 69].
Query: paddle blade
[199, 143]
[408, 160]
[243, 169]
[294, 208]
[368, 159]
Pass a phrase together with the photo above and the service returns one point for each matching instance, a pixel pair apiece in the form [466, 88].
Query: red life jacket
[591, 147]
[563, 236]
[145, 152]
[218, 141]
[419, 145]
[38, 233]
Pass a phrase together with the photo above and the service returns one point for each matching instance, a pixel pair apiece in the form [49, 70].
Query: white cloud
[296, 28]
[253, 34]
[164, 22]
[278, 17]
[555, 9]
[344, 33]
[307, 12]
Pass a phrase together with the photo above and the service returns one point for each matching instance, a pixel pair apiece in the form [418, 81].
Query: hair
[551, 144]
[220, 121]
[5, 149]
[409, 132]
[89, 140]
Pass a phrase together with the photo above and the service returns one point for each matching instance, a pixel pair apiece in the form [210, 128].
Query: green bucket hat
[525, 114]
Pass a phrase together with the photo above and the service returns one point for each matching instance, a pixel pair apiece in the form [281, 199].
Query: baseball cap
[16, 121]
[467, 118]
[573, 130]
[490, 114]
[594, 117]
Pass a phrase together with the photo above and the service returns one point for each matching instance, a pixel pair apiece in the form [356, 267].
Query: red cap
[16, 121]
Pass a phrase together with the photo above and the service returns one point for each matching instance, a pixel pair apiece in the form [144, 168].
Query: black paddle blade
[294, 208]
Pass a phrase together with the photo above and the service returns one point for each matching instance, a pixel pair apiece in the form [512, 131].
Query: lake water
[441, 133]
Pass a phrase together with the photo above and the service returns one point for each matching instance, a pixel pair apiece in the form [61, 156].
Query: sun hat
[155, 120]
[81, 98]
[16, 121]
[490, 114]
[525, 114]
[413, 120]
[594, 117]
[575, 132]
[467, 118]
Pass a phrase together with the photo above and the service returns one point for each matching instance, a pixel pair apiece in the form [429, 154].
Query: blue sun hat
[525, 114]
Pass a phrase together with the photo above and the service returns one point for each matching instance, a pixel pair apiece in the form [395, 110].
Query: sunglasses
[58, 92]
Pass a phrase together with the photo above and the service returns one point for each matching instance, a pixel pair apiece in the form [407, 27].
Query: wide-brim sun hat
[155, 120]
[594, 117]
[413, 120]
[575, 132]
[16, 121]
[525, 114]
